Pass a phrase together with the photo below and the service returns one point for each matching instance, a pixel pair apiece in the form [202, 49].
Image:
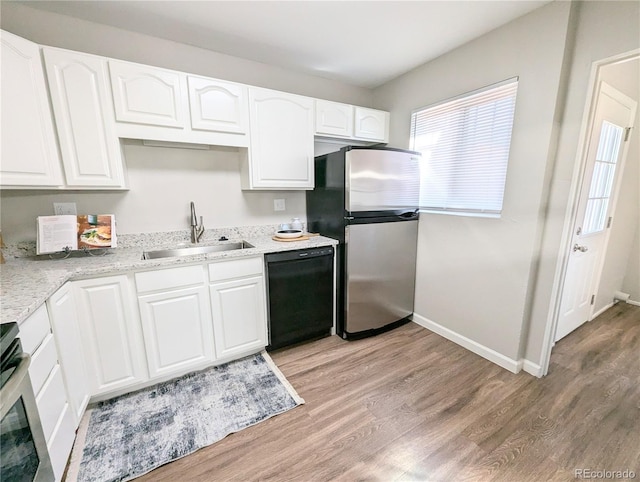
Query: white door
[371, 124]
[66, 330]
[281, 148]
[606, 153]
[148, 95]
[334, 119]
[239, 316]
[218, 106]
[177, 330]
[81, 98]
[110, 334]
[28, 146]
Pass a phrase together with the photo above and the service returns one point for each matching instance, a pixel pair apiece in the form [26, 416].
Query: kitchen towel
[128, 436]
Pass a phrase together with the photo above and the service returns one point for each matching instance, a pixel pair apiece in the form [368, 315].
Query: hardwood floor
[410, 405]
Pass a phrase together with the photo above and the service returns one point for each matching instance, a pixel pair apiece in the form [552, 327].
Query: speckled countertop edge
[27, 282]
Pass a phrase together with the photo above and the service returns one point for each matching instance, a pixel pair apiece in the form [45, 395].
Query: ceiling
[364, 43]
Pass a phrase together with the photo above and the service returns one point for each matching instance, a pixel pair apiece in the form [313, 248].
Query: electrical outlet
[278, 205]
[61, 209]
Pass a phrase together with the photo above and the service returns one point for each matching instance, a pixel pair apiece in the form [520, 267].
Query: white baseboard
[602, 310]
[532, 368]
[485, 352]
[631, 302]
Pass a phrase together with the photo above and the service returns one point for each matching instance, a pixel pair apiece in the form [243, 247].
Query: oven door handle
[12, 389]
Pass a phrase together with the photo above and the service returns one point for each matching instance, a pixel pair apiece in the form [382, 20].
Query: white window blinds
[465, 150]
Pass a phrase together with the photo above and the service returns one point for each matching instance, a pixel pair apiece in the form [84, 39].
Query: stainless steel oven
[23, 449]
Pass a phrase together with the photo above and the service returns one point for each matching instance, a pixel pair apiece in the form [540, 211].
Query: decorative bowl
[288, 233]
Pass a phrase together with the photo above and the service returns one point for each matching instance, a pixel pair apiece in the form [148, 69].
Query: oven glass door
[18, 456]
[23, 449]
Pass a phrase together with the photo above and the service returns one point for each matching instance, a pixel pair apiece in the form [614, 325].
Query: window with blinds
[465, 150]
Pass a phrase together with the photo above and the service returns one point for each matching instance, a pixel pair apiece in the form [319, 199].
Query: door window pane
[604, 169]
[610, 137]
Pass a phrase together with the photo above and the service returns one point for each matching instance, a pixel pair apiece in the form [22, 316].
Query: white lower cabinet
[239, 321]
[177, 330]
[110, 333]
[176, 319]
[52, 398]
[187, 318]
[66, 331]
[238, 306]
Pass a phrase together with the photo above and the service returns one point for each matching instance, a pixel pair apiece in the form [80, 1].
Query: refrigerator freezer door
[381, 180]
[381, 269]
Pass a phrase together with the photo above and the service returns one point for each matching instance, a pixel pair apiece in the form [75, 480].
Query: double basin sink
[192, 250]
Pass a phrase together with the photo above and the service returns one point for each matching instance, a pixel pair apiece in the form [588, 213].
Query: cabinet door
[148, 95]
[281, 146]
[66, 331]
[29, 151]
[371, 124]
[81, 98]
[334, 119]
[110, 333]
[217, 105]
[239, 316]
[177, 330]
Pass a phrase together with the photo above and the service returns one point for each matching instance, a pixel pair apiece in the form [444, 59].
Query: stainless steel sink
[171, 253]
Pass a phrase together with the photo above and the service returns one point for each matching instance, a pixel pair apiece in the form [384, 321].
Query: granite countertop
[27, 281]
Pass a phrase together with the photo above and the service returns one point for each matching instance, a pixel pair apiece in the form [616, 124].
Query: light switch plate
[61, 209]
[278, 205]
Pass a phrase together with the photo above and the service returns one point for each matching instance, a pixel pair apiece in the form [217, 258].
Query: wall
[474, 274]
[163, 181]
[603, 29]
[622, 238]
[62, 31]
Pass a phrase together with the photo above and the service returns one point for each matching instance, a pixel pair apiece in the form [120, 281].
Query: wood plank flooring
[410, 405]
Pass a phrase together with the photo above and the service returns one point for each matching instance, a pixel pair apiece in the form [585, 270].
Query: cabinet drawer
[169, 278]
[61, 442]
[51, 402]
[34, 330]
[236, 268]
[43, 362]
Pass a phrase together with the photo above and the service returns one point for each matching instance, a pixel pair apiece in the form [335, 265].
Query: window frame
[469, 212]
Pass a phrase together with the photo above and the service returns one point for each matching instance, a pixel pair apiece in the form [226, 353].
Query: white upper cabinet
[81, 99]
[148, 95]
[169, 106]
[29, 151]
[334, 119]
[217, 105]
[351, 122]
[371, 124]
[281, 147]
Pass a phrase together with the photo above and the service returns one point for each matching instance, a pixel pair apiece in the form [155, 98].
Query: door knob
[577, 247]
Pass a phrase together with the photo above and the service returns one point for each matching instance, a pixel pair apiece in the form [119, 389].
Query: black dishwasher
[300, 289]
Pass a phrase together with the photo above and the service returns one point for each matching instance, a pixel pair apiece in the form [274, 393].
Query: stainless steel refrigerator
[367, 198]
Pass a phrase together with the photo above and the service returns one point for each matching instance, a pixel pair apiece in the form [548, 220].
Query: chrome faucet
[197, 230]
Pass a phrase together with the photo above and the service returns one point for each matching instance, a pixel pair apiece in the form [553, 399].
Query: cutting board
[304, 237]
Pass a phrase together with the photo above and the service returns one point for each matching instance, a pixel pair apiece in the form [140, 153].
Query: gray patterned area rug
[128, 436]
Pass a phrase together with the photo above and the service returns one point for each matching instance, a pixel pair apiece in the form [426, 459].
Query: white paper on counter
[57, 233]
